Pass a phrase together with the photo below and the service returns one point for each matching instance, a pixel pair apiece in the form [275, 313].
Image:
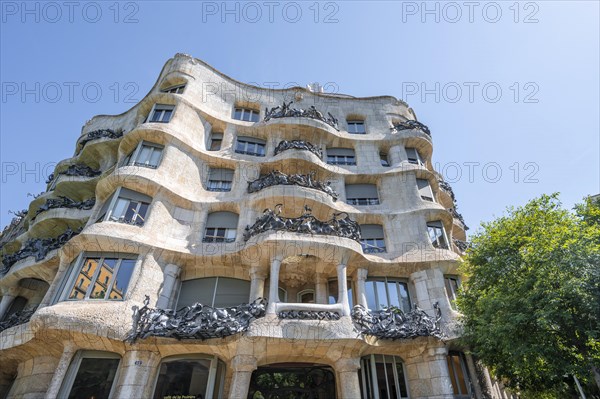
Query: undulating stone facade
[224, 240]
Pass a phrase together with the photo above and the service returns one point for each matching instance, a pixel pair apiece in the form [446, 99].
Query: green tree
[531, 297]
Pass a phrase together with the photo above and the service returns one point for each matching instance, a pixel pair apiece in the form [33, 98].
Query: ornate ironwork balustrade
[275, 178]
[298, 145]
[194, 322]
[308, 315]
[76, 170]
[38, 247]
[411, 125]
[286, 111]
[17, 318]
[64, 202]
[339, 225]
[100, 133]
[462, 245]
[392, 323]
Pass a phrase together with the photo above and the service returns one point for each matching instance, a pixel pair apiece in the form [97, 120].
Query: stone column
[348, 382]
[137, 372]
[61, 370]
[243, 366]
[343, 289]
[320, 289]
[257, 283]
[361, 294]
[171, 276]
[274, 285]
[396, 155]
[428, 375]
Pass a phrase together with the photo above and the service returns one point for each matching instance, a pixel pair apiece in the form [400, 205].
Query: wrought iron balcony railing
[286, 111]
[298, 145]
[194, 322]
[410, 125]
[17, 318]
[275, 178]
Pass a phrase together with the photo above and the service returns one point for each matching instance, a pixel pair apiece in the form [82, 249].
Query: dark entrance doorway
[292, 381]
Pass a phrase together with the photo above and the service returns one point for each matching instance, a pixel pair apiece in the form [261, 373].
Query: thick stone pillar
[138, 369]
[243, 366]
[171, 277]
[61, 370]
[257, 284]
[343, 289]
[274, 285]
[348, 382]
[396, 154]
[320, 289]
[428, 375]
[361, 293]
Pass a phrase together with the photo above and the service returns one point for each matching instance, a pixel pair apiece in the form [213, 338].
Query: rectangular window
[103, 278]
[214, 291]
[425, 190]
[362, 194]
[356, 127]
[220, 179]
[414, 156]
[161, 113]
[384, 159]
[246, 114]
[372, 238]
[125, 206]
[437, 235]
[90, 375]
[219, 234]
[459, 375]
[216, 139]
[383, 292]
[341, 156]
[146, 154]
[452, 284]
[174, 89]
[250, 146]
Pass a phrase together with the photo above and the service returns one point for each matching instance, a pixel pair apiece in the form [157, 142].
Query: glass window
[246, 114]
[414, 156]
[341, 156]
[250, 146]
[216, 139]
[190, 378]
[332, 292]
[161, 113]
[90, 375]
[220, 179]
[218, 292]
[437, 235]
[306, 296]
[459, 375]
[452, 283]
[174, 89]
[128, 207]
[382, 376]
[384, 159]
[362, 194]
[372, 238]
[102, 278]
[356, 127]
[383, 292]
[425, 190]
[146, 154]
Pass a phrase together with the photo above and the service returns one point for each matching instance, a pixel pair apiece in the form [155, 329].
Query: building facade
[224, 240]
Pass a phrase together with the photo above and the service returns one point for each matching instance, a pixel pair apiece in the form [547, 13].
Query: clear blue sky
[448, 61]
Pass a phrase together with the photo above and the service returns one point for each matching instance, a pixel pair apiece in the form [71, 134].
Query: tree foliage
[531, 297]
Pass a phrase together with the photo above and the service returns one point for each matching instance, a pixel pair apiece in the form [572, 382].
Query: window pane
[231, 292]
[166, 115]
[155, 157]
[141, 217]
[119, 209]
[401, 379]
[94, 378]
[215, 145]
[237, 114]
[122, 280]
[404, 298]
[101, 286]
[84, 278]
[183, 378]
[131, 211]
[196, 291]
[456, 360]
[144, 155]
[381, 294]
[370, 292]
[393, 293]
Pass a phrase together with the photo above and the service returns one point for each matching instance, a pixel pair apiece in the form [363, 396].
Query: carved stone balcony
[275, 178]
[194, 322]
[392, 323]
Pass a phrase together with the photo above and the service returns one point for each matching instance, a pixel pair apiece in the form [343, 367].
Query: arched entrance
[292, 381]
